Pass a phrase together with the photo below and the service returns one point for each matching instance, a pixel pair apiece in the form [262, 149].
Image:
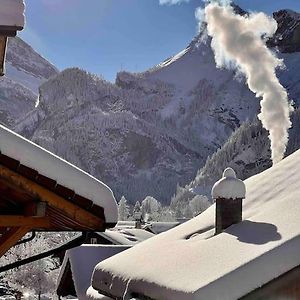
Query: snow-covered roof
[94, 295]
[82, 260]
[197, 264]
[155, 227]
[12, 13]
[159, 227]
[64, 173]
[229, 187]
[126, 236]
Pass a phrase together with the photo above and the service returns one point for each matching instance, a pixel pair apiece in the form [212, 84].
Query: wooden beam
[71, 210]
[20, 221]
[11, 237]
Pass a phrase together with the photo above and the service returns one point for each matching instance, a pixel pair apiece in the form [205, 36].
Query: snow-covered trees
[199, 204]
[137, 210]
[37, 279]
[151, 209]
[123, 209]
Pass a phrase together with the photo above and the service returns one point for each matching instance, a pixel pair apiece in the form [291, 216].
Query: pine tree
[123, 209]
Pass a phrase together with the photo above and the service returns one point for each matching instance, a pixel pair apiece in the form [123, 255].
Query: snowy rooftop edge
[82, 269]
[63, 172]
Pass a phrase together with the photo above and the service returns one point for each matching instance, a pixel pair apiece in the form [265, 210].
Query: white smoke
[237, 40]
[171, 2]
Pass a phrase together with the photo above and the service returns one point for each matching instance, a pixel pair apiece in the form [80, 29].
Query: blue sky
[106, 36]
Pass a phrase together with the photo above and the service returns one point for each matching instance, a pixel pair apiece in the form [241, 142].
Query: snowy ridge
[25, 66]
[211, 267]
[287, 34]
[15, 101]
[25, 71]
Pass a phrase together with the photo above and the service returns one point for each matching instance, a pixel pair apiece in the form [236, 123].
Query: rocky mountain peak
[25, 66]
[287, 36]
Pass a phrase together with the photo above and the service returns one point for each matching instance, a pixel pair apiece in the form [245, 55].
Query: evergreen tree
[123, 209]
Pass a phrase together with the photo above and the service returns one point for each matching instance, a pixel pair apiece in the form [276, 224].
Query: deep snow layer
[52, 166]
[198, 265]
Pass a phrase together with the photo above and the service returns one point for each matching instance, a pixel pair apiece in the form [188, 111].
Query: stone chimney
[228, 194]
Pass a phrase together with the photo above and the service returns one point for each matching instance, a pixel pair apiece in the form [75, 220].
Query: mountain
[287, 36]
[25, 66]
[151, 130]
[26, 70]
[247, 150]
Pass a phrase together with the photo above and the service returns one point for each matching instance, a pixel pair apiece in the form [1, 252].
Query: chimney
[228, 194]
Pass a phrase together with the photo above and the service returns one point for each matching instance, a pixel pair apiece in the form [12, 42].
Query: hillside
[151, 130]
[26, 70]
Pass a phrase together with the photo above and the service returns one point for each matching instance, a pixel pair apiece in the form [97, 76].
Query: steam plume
[238, 41]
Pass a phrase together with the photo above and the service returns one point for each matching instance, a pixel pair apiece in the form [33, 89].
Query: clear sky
[106, 36]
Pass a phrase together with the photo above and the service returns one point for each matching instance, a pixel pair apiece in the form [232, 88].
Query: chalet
[40, 191]
[254, 256]
[79, 263]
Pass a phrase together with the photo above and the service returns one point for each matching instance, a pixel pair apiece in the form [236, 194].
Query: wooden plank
[28, 172]
[21, 221]
[11, 237]
[97, 210]
[9, 162]
[84, 218]
[83, 202]
[64, 192]
[46, 182]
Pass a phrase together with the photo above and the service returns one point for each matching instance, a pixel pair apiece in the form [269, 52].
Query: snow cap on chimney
[229, 187]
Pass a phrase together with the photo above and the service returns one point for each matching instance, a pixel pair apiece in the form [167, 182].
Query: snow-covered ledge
[228, 193]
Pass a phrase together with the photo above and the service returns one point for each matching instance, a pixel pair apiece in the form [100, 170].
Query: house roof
[82, 261]
[126, 236]
[197, 264]
[159, 227]
[62, 178]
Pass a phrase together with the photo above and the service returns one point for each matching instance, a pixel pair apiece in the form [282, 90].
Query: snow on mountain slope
[150, 130]
[15, 101]
[25, 66]
[247, 151]
[86, 122]
[25, 71]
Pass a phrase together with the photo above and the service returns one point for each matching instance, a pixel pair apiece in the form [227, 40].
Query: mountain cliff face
[25, 66]
[287, 36]
[148, 131]
[25, 71]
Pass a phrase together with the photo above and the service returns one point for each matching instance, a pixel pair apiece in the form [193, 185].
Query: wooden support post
[11, 237]
[21, 221]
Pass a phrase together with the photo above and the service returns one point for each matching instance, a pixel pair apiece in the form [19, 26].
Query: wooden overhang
[31, 201]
